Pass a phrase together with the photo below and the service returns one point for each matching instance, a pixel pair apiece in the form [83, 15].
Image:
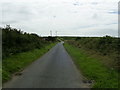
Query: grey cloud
[113, 12]
[15, 12]
[95, 16]
[77, 4]
[112, 23]
[81, 27]
[70, 16]
[103, 32]
[9, 22]
[94, 3]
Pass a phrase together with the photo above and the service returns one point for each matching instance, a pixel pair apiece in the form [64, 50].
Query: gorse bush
[16, 41]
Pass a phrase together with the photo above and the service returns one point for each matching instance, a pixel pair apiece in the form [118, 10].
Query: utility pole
[51, 33]
[56, 33]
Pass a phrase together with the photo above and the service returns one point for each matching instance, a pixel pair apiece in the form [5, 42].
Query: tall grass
[93, 69]
[19, 61]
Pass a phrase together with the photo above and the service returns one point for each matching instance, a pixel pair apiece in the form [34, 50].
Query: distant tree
[78, 38]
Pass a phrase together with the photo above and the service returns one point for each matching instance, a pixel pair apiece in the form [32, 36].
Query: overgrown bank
[93, 69]
[20, 48]
[107, 47]
[19, 61]
[16, 41]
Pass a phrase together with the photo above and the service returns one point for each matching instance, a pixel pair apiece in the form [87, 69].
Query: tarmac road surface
[55, 69]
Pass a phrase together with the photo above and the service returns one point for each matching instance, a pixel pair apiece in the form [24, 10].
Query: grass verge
[19, 61]
[93, 69]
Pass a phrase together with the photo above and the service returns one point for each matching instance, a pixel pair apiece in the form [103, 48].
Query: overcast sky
[67, 17]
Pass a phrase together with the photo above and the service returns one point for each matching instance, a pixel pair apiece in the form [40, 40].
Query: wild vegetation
[16, 41]
[93, 69]
[97, 58]
[17, 62]
[105, 46]
[19, 49]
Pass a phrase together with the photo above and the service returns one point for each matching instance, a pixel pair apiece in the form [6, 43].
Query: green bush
[16, 41]
[106, 46]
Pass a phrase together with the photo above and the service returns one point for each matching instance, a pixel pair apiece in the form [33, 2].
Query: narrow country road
[55, 69]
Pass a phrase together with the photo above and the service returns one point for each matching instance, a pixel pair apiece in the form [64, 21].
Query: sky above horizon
[67, 17]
